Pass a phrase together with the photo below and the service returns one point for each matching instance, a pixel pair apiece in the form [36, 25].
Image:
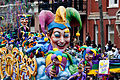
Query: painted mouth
[24, 23]
[61, 45]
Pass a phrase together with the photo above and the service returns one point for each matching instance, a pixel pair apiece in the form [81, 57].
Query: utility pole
[101, 27]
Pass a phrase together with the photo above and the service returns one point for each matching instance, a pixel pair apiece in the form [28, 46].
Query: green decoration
[64, 55]
[53, 67]
[49, 53]
[73, 13]
[85, 62]
[70, 58]
[83, 47]
[73, 68]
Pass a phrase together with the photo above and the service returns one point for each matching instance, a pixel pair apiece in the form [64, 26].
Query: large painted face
[60, 39]
[23, 21]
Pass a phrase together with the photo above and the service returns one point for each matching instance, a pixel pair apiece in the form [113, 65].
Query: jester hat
[60, 20]
[24, 15]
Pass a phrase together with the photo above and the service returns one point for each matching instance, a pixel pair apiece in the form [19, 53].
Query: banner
[103, 66]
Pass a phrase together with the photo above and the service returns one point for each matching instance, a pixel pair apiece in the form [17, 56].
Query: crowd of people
[111, 50]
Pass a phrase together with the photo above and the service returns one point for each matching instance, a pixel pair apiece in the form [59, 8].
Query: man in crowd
[88, 39]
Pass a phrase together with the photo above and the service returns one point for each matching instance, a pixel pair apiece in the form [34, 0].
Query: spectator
[119, 54]
[109, 46]
[74, 41]
[88, 39]
[93, 44]
[116, 51]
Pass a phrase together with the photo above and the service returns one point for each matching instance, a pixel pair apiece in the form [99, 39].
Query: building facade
[111, 21]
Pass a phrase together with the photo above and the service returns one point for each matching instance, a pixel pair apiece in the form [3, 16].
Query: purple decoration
[87, 50]
[87, 61]
[45, 18]
[53, 56]
[82, 78]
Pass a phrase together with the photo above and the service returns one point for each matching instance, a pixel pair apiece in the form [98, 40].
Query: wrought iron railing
[53, 6]
[80, 5]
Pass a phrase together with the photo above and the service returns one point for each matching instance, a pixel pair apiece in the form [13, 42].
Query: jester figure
[24, 21]
[89, 55]
[58, 33]
[1, 28]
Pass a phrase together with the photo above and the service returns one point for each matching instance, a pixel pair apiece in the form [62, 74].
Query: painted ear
[45, 18]
[73, 13]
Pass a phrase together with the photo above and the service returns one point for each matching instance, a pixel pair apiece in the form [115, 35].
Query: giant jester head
[58, 25]
[24, 19]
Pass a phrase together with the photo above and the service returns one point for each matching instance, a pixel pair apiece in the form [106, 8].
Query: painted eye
[66, 35]
[57, 34]
[26, 19]
[22, 19]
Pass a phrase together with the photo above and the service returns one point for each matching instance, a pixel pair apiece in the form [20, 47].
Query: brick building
[111, 13]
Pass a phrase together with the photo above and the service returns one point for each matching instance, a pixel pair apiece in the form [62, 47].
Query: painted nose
[62, 39]
[24, 20]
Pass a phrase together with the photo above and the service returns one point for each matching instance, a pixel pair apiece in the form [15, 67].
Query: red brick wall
[84, 28]
[90, 29]
[112, 11]
[116, 38]
[95, 5]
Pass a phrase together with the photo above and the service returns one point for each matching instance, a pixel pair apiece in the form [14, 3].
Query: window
[118, 29]
[113, 3]
[111, 33]
[96, 34]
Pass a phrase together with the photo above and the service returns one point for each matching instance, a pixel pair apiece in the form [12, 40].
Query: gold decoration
[14, 65]
[60, 15]
[77, 34]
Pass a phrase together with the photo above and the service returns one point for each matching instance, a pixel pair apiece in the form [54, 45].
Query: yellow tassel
[61, 68]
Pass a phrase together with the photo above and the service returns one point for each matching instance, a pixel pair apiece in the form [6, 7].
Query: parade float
[37, 55]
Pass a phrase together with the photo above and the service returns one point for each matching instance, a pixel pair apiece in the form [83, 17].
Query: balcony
[53, 6]
[81, 6]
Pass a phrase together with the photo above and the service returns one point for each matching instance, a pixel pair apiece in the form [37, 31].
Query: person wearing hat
[80, 75]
